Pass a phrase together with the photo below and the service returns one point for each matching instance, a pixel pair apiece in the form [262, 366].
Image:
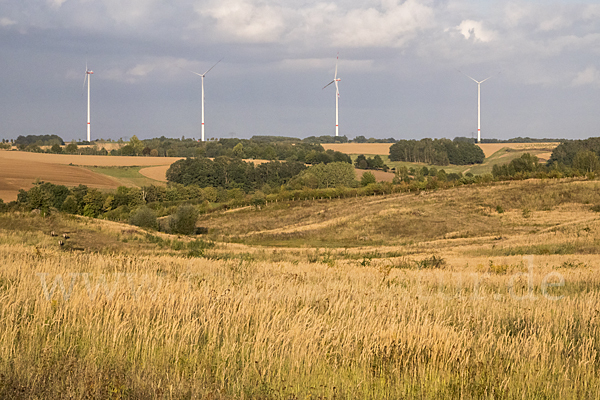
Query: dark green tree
[183, 222]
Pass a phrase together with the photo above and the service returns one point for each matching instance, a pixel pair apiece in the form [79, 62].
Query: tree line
[230, 173]
[437, 152]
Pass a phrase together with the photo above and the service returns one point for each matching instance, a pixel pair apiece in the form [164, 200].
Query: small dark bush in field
[499, 209]
[431, 262]
[183, 222]
[197, 247]
[144, 218]
[573, 264]
[201, 230]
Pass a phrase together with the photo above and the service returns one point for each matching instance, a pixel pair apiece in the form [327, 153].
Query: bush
[367, 179]
[70, 205]
[144, 218]
[183, 222]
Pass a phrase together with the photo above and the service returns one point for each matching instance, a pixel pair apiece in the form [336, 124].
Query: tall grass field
[500, 302]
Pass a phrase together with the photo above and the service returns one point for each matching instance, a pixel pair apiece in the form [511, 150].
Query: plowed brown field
[100, 161]
[18, 174]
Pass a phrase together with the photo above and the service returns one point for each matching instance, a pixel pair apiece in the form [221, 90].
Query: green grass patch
[128, 176]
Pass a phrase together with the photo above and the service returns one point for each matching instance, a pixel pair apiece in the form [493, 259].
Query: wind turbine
[337, 96]
[202, 76]
[478, 103]
[87, 78]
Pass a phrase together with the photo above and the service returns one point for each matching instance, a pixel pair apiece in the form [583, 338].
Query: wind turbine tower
[87, 78]
[478, 104]
[337, 96]
[202, 76]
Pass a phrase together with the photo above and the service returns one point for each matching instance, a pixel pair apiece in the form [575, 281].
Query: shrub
[70, 205]
[183, 222]
[434, 261]
[367, 178]
[144, 217]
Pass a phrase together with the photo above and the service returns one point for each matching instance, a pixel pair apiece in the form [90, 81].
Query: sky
[402, 66]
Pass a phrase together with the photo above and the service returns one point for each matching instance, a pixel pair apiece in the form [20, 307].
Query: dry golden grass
[407, 222]
[472, 303]
[143, 326]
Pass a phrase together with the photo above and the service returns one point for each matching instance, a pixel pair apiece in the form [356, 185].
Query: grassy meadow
[473, 292]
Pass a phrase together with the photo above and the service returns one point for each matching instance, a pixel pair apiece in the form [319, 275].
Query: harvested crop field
[491, 148]
[379, 175]
[382, 149]
[22, 173]
[158, 172]
[101, 161]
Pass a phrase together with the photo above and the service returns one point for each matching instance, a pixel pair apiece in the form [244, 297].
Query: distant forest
[437, 151]
[39, 140]
[567, 151]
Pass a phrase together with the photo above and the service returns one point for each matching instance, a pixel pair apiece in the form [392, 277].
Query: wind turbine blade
[195, 73]
[485, 79]
[213, 66]
[337, 89]
[336, 65]
[468, 76]
[84, 81]
[329, 84]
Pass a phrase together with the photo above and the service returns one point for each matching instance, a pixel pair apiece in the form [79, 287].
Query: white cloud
[553, 23]
[325, 64]
[516, 13]
[591, 12]
[474, 30]
[392, 25]
[5, 22]
[381, 23]
[588, 77]
[244, 21]
[56, 3]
